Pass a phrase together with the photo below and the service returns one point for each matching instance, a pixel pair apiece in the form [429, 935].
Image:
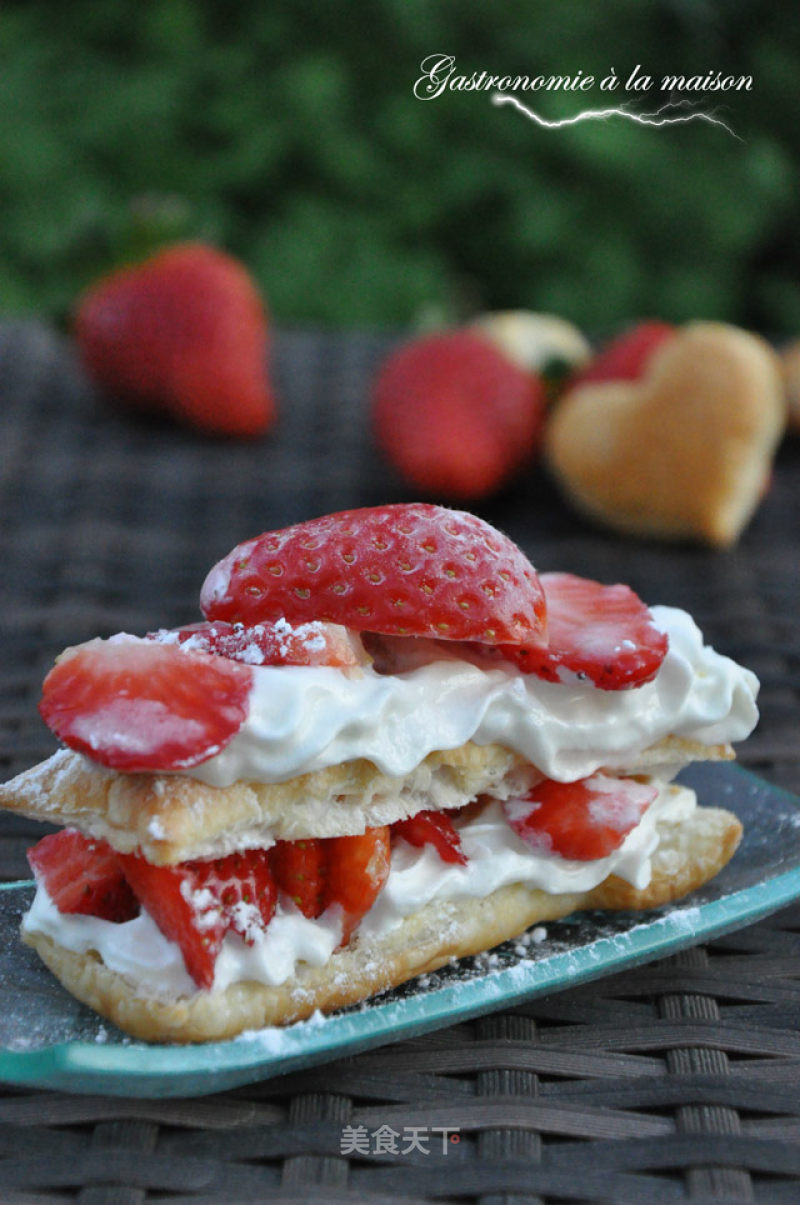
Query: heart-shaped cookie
[685, 451]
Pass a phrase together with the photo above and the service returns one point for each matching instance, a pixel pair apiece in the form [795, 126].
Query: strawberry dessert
[388, 743]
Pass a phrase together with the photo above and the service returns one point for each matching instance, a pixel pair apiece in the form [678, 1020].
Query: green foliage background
[290, 133]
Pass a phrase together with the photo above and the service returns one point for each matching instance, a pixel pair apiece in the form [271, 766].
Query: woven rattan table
[676, 1081]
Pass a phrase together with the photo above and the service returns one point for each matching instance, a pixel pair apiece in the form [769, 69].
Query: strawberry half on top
[404, 570]
[418, 572]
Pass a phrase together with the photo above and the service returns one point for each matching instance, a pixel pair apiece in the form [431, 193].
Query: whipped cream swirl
[305, 718]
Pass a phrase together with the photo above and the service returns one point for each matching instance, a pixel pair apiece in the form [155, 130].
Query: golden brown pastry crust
[686, 451]
[689, 854]
[790, 371]
[173, 818]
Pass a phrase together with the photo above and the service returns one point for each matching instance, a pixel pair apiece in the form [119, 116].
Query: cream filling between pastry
[304, 718]
[496, 857]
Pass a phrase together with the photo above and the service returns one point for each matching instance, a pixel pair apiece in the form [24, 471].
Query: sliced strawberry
[357, 868]
[626, 357]
[135, 705]
[349, 871]
[604, 633]
[270, 643]
[581, 820]
[196, 903]
[189, 917]
[244, 888]
[299, 871]
[432, 828]
[406, 570]
[82, 875]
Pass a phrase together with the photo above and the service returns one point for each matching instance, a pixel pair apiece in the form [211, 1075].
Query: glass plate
[49, 1040]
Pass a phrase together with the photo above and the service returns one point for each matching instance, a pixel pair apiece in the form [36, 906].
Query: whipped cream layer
[496, 857]
[304, 718]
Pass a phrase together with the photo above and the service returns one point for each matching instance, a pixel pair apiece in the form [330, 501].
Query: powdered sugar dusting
[618, 803]
[203, 904]
[215, 587]
[137, 726]
[269, 644]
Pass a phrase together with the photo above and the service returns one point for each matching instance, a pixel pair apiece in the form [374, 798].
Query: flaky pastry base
[173, 818]
[690, 852]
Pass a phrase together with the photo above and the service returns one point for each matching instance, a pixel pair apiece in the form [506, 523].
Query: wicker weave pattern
[674, 1082]
[671, 1083]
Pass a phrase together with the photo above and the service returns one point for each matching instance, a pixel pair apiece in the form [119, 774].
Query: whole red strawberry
[455, 416]
[184, 332]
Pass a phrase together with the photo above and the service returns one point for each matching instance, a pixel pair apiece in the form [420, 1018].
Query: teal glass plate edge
[576, 951]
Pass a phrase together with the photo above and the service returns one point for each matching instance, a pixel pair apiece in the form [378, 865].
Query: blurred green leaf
[289, 132]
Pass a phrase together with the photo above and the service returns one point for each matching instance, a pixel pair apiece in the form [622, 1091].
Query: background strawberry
[407, 570]
[185, 332]
[626, 357]
[455, 415]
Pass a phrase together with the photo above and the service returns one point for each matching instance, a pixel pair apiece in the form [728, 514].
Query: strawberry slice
[406, 570]
[189, 917]
[269, 643]
[432, 828]
[196, 903]
[357, 868]
[604, 633]
[318, 872]
[82, 875]
[626, 357]
[136, 705]
[581, 820]
[299, 871]
[243, 885]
